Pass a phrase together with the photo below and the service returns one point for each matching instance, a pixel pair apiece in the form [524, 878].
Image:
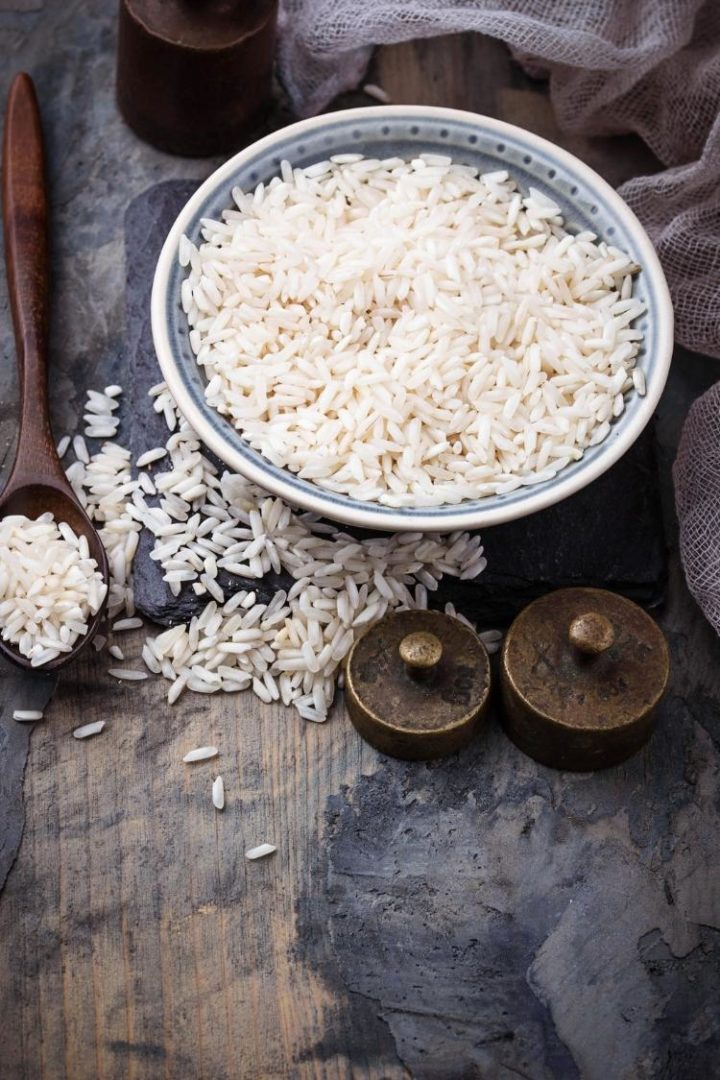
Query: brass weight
[417, 684]
[582, 671]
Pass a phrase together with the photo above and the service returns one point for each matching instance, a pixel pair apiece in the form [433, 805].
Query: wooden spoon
[37, 482]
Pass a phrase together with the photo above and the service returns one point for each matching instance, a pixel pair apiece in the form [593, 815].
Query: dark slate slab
[18, 690]
[609, 535]
[147, 222]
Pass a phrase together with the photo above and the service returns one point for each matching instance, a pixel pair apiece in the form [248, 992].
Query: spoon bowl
[37, 483]
[32, 500]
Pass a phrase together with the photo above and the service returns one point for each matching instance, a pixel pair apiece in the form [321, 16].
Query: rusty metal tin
[194, 76]
[417, 684]
[582, 671]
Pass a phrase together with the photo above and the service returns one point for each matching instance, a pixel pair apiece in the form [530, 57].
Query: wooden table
[481, 917]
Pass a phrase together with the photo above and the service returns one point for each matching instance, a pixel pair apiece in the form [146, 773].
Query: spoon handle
[25, 216]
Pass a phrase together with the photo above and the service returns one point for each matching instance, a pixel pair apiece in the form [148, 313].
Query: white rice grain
[150, 456]
[86, 730]
[127, 624]
[80, 448]
[202, 753]
[260, 851]
[127, 674]
[374, 91]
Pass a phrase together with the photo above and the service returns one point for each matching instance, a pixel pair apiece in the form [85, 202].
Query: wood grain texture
[145, 943]
[416, 920]
[37, 481]
[25, 220]
[464, 71]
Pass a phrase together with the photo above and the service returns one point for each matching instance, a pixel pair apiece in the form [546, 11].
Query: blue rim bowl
[587, 202]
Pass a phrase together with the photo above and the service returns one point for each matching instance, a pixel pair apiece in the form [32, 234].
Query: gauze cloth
[697, 500]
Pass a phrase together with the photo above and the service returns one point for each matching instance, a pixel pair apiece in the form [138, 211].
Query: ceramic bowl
[587, 202]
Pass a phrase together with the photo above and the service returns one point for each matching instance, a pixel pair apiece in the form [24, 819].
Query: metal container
[194, 76]
[582, 671]
[417, 684]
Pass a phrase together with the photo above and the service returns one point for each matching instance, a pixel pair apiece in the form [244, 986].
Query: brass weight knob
[421, 653]
[591, 633]
[417, 684]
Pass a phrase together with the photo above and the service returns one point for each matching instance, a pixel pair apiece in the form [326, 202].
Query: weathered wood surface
[480, 917]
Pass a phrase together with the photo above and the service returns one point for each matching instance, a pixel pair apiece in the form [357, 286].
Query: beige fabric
[697, 499]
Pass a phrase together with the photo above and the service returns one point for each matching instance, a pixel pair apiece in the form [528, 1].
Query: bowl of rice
[412, 318]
